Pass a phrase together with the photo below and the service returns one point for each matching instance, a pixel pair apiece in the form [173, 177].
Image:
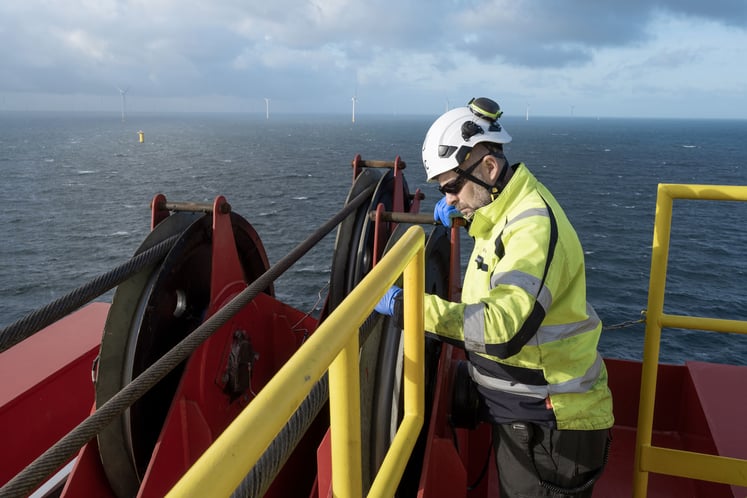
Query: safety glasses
[454, 186]
[457, 184]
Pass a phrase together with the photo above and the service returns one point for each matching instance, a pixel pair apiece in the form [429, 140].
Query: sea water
[75, 191]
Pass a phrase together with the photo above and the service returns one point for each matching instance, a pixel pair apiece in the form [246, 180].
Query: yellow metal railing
[333, 346]
[650, 458]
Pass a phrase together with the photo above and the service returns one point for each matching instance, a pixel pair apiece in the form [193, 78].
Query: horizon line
[286, 114]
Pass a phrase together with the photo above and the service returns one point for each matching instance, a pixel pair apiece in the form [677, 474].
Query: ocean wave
[594, 185]
[312, 269]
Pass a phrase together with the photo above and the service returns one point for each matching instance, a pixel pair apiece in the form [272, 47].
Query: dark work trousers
[537, 461]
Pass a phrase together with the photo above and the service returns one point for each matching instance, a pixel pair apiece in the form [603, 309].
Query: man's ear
[492, 167]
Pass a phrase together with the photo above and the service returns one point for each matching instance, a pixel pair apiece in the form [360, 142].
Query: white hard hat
[452, 136]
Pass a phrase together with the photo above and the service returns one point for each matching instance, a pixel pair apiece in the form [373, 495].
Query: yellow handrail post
[391, 470]
[414, 369]
[659, 257]
[345, 423]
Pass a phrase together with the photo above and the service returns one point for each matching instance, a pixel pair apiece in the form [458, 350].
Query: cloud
[315, 49]
[727, 12]
[552, 34]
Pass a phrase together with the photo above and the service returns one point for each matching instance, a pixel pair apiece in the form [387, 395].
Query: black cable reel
[381, 338]
[150, 313]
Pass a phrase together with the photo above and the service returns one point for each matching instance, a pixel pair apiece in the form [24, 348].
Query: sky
[597, 58]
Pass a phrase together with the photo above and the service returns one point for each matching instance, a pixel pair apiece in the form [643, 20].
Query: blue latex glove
[386, 305]
[444, 212]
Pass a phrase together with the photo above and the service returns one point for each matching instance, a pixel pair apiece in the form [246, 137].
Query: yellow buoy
[141, 134]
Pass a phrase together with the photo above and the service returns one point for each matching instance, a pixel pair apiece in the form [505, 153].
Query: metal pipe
[415, 218]
[197, 207]
[381, 164]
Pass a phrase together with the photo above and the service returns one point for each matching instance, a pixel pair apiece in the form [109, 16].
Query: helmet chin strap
[500, 183]
[503, 177]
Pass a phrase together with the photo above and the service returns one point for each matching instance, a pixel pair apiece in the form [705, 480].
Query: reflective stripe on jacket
[524, 319]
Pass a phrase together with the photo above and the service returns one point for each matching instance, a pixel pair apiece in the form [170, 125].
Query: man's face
[471, 196]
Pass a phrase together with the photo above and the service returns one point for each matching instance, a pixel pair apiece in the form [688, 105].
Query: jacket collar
[494, 213]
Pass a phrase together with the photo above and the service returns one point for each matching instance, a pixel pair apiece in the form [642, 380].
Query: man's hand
[443, 212]
[386, 304]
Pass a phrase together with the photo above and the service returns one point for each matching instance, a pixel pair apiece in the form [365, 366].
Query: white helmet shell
[453, 135]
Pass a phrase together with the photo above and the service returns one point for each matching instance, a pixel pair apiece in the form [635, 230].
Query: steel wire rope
[626, 324]
[260, 477]
[26, 326]
[49, 461]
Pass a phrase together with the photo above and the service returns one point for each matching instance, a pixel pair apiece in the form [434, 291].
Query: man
[529, 334]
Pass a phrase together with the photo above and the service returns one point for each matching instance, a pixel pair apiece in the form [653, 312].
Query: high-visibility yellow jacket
[530, 335]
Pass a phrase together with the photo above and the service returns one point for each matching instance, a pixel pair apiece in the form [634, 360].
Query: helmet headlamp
[485, 108]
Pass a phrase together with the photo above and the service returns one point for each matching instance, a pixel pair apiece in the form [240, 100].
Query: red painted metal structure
[46, 388]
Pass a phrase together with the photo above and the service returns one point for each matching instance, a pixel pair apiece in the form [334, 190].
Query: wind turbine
[527, 112]
[267, 108]
[354, 100]
[123, 93]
